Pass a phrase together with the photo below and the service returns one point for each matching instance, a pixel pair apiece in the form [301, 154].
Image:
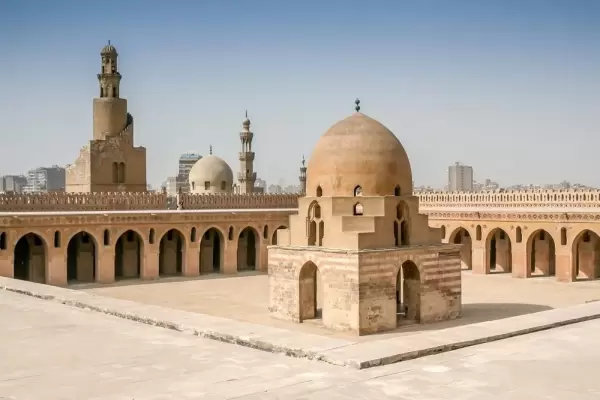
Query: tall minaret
[303, 177]
[110, 111]
[246, 176]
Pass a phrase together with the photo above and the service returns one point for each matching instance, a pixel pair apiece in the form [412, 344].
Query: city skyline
[528, 78]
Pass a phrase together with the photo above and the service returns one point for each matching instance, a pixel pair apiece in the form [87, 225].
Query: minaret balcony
[246, 156]
[245, 177]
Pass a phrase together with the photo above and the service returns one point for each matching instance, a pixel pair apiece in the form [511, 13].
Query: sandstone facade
[525, 233]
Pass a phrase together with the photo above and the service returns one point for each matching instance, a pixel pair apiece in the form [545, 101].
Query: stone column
[56, 272]
[191, 260]
[105, 264]
[150, 265]
[261, 254]
[565, 265]
[6, 262]
[520, 263]
[230, 255]
[480, 264]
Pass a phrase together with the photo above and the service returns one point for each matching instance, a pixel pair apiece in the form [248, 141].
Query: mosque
[351, 248]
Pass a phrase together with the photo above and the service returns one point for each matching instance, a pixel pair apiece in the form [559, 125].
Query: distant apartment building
[45, 180]
[12, 183]
[186, 162]
[170, 185]
[460, 177]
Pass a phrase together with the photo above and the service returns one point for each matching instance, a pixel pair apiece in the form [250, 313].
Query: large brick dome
[358, 151]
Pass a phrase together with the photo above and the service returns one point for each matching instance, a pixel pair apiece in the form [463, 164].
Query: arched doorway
[462, 236]
[128, 255]
[81, 258]
[586, 255]
[171, 253]
[310, 292]
[247, 250]
[499, 251]
[30, 258]
[408, 293]
[274, 240]
[541, 254]
[211, 251]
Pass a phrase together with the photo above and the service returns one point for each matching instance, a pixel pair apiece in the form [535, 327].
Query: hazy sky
[509, 87]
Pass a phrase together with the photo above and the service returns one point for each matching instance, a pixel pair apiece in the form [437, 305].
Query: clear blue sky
[509, 87]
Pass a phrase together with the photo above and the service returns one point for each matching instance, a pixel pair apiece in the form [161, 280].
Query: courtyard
[53, 351]
[245, 297]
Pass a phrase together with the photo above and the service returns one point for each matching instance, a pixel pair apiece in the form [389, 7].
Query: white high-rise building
[460, 178]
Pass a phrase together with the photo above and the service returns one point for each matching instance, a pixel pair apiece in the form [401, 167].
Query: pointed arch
[541, 253]
[498, 249]
[129, 250]
[397, 191]
[82, 255]
[266, 232]
[443, 231]
[275, 234]
[462, 236]
[193, 237]
[519, 234]
[319, 191]
[310, 293]
[408, 293]
[106, 237]
[358, 191]
[172, 250]
[586, 255]
[248, 249]
[478, 233]
[212, 250]
[151, 236]
[30, 258]
[230, 233]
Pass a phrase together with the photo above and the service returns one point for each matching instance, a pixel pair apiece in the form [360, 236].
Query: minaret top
[109, 49]
[357, 107]
[303, 161]
[246, 123]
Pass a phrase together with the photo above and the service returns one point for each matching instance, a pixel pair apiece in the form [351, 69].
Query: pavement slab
[334, 351]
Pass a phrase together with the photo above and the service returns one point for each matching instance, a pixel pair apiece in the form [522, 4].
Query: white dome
[211, 174]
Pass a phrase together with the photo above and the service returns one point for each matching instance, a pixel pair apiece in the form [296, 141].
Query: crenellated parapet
[83, 201]
[191, 201]
[512, 198]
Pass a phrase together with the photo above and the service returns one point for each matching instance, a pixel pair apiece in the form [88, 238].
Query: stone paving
[304, 345]
[52, 351]
[245, 298]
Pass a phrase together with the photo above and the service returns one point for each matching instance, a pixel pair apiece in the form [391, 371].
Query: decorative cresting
[141, 201]
[569, 198]
[358, 150]
[238, 201]
[83, 201]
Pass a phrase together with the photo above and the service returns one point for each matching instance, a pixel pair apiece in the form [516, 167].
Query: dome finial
[303, 160]
[210, 149]
[357, 102]
[109, 42]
